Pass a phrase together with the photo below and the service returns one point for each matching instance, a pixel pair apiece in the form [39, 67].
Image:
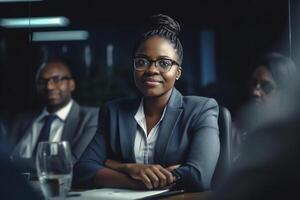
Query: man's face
[55, 85]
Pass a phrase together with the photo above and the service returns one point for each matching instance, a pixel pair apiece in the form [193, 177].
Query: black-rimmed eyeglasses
[162, 64]
[54, 80]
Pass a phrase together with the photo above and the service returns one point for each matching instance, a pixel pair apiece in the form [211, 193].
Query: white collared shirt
[28, 142]
[144, 145]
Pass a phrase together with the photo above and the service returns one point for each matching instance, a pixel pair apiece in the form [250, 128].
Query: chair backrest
[224, 162]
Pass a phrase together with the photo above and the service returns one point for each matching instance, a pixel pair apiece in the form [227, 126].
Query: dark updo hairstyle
[166, 27]
[282, 68]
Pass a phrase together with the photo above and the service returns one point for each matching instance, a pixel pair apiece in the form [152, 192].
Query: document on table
[113, 194]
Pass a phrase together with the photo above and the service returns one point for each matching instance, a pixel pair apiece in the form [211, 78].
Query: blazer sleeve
[89, 120]
[196, 173]
[94, 156]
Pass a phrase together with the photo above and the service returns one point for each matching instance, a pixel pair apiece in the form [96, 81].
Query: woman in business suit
[161, 139]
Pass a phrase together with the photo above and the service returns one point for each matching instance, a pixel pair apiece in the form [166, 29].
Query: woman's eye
[142, 62]
[164, 63]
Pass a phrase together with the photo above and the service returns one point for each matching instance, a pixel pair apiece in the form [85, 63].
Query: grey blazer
[79, 129]
[188, 136]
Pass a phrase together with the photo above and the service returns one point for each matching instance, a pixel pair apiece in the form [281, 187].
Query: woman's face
[263, 84]
[156, 80]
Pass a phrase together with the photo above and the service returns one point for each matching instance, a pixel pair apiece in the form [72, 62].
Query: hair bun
[160, 21]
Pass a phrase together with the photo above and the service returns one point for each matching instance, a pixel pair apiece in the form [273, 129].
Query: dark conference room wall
[240, 31]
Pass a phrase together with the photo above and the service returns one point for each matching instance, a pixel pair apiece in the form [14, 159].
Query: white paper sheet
[114, 194]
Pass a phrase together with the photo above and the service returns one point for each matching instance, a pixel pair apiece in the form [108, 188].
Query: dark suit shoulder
[199, 102]
[89, 115]
[202, 110]
[89, 109]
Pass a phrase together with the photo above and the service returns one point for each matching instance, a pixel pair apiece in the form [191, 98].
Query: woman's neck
[155, 105]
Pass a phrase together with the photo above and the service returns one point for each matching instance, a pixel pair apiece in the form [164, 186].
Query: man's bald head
[53, 63]
[55, 84]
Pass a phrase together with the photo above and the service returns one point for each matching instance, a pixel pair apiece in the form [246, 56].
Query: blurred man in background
[60, 119]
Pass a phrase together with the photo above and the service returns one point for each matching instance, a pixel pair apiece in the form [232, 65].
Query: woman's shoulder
[199, 101]
[202, 111]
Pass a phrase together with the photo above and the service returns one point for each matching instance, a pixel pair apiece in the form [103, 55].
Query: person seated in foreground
[272, 74]
[268, 165]
[160, 139]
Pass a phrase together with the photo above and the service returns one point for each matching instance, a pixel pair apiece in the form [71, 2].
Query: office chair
[224, 162]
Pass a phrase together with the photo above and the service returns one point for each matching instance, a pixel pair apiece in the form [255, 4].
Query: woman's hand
[153, 176]
[172, 167]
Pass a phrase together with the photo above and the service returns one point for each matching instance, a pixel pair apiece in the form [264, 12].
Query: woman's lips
[151, 82]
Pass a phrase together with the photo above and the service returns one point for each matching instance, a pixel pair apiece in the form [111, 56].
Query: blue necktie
[45, 132]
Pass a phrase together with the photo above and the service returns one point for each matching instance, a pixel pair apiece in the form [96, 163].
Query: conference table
[190, 196]
[187, 195]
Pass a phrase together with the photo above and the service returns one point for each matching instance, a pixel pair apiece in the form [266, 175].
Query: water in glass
[54, 167]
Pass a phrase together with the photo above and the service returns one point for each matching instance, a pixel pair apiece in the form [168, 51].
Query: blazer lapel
[128, 126]
[172, 114]
[71, 123]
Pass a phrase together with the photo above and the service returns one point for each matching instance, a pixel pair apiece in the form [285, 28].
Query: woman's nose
[152, 68]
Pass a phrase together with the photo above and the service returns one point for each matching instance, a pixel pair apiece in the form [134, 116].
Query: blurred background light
[13, 1]
[60, 35]
[34, 22]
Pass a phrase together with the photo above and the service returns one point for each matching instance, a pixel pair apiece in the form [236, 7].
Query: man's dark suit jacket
[79, 129]
[188, 136]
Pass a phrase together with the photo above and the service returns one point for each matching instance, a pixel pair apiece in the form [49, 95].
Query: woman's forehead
[157, 47]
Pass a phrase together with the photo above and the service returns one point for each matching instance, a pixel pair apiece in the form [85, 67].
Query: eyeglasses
[162, 64]
[54, 80]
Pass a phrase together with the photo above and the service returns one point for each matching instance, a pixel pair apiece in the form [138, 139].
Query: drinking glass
[54, 169]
